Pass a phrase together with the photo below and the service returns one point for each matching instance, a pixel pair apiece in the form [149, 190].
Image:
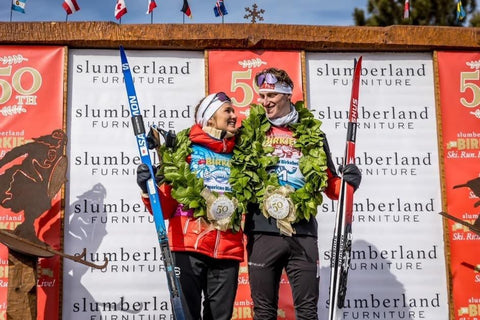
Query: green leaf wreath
[186, 186]
[249, 177]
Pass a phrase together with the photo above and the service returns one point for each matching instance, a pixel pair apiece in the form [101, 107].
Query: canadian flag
[70, 6]
[151, 5]
[120, 9]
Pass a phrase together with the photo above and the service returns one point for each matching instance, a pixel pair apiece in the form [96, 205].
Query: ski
[139, 131]
[473, 227]
[342, 234]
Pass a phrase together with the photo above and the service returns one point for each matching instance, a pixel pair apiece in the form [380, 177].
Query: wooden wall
[239, 36]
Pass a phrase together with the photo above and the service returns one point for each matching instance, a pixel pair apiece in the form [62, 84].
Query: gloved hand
[143, 174]
[153, 140]
[351, 174]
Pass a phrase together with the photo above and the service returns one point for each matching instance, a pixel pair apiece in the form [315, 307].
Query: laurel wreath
[186, 186]
[251, 161]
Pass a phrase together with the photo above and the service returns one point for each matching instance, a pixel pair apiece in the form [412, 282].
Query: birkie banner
[397, 267]
[459, 84]
[103, 211]
[233, 71]
[31, 141]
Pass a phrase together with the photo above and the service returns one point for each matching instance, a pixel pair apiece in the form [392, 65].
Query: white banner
[398, 266]
[104, 212]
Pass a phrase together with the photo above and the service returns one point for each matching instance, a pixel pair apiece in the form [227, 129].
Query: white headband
[207, 109]
[280, 87]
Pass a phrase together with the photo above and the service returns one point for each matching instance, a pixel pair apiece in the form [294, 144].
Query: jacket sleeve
[333, 180]
[169, 205]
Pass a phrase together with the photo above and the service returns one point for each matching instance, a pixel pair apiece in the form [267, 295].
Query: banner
[459, 83]
[233, 72]
[32, 163]
[397, 267]
[104, 212]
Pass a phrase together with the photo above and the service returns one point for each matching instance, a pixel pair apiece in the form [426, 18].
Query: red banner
[32, 162]
[459, 79]
[233, 72]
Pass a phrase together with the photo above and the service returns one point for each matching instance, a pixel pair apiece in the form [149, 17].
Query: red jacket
[186, 233]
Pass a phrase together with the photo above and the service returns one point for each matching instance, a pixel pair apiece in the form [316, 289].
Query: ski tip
[122, 51]
[357, 62]
[123, 55]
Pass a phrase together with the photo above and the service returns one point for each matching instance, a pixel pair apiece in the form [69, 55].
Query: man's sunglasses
[266, 77]
[221, 96]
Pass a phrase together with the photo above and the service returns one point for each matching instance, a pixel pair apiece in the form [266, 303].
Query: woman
[204, 217]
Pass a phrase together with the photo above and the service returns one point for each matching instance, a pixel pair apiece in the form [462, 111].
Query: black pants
[217, 279]
[268, 255]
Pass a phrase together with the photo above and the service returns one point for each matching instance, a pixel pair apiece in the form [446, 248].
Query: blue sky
[306, 12]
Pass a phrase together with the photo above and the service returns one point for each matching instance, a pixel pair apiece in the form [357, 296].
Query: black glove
[143, 174]
[351, 174]
[152, 139]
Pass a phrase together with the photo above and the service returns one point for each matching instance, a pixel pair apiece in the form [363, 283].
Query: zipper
[185, 228]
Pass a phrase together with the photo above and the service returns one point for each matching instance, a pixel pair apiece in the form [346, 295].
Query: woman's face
[224, 118]
[276, 105]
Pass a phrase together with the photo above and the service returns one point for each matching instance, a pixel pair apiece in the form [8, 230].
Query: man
[285, 158]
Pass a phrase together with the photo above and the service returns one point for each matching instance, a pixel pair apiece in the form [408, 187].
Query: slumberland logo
[119, 116]
[152, 309]
[366, 257]
[389, 118]
[385, 75]
[149, 72]
[391, 164]
[124, 260]
[373, 306]
[397, 210]
[114, 164]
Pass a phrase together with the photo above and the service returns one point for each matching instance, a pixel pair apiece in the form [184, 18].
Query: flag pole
[223, 17]
[151, 17]
[11, 11]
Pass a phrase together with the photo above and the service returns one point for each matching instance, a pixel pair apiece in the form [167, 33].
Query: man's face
[276, 104]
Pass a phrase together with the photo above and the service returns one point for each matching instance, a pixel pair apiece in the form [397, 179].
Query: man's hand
[351, 174]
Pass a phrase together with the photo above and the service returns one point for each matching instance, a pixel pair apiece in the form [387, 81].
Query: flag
[70, 6]
[406, 10]
[151, 5]
[460, 11]
[120, 9]
[219, 9]
[19, 5]
[186, 9]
